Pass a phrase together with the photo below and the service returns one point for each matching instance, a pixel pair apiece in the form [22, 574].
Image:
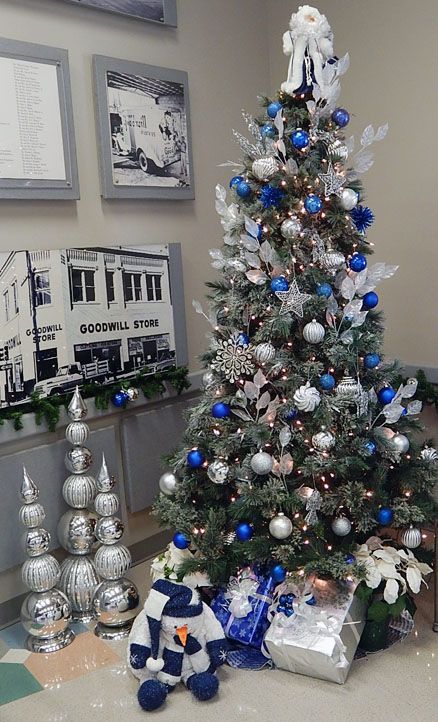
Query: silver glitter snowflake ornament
[292, 300]
[233, 358]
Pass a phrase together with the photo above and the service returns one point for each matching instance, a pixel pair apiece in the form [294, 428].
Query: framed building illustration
[143, 123]
[81, 315]
[37, 139]
[155, 11]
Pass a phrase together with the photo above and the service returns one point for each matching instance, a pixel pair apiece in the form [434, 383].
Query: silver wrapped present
[317, 640]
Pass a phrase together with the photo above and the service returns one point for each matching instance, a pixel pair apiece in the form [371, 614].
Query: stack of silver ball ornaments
[46, 611]
[76, 527]
[116, 598]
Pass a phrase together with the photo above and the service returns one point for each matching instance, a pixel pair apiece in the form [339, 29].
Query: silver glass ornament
[77, 433]
[332, 260]
[109, 529]
[290, 228]
[411, 538]
[76, 531]
[429, 454]
[115, 604]
[338, 149]
[262, 463]
[323, 440]
[264, 168]
[207, 379]
[280, 526]
[46, 611]
[349, 199]
[264, 352]
[78, 581]
[399, 444]
[217, 471]
[132, 393]
[32, 514]
[78, 459]
[313, 332]
[106, 503]
[112, 561]
[77, 409]
[347, 389]
[104, 482]
[79, 490]
[341, 526]
[168, 483]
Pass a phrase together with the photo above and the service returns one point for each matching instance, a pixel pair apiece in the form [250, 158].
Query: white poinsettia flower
[391, 591]
[415, 570]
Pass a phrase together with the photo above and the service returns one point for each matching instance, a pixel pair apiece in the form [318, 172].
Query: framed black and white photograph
[79, 315]
[143, 118]
[155, 11]
[37, 139]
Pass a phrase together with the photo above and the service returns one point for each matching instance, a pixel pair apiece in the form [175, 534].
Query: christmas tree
[302, 444]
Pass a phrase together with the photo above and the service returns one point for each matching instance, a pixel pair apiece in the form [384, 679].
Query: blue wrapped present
[242, 608]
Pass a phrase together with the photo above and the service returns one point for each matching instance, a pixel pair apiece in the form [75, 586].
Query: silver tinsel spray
[46, 612]
[116, 599]
[76, 527]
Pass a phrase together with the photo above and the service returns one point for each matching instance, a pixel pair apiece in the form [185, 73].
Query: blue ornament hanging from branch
[362, 217]
[271, 196]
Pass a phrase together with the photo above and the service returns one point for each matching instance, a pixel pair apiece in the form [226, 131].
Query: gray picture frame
[103, 67]
[169, 12]
[37, 189]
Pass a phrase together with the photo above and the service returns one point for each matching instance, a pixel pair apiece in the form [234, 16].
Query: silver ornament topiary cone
[46, 611]
[76, 528]
[116, 599]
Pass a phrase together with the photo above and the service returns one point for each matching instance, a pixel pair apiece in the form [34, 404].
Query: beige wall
[392, 77]
[216, 43]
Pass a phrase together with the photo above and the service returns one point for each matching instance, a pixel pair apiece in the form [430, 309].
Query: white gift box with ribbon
[319, 641]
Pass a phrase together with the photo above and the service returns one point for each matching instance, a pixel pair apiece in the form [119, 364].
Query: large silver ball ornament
[76, 531]
[78, 582]
[36, 541]
[112, 562]
[323, 441]
[40, 573]
[32, 514]
[429, 454]
[264, 352]
[109, 529]
[349, 199]
[341, 526]
[77, 433]
[79, 490]
[399, 443]
[168, 483]
[313, 332]
[262, 463]
[115, 605]
[411, 538]
[106, 503]
[217, 471]
[280, 526]
[290, 228]
[78, 459]
[264, 168]
[45, 616]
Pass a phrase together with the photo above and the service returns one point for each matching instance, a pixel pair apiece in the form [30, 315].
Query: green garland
[49, 409]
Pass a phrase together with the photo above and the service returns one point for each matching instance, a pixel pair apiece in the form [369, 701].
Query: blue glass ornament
[371, 360]
[350, 558]
[243, 339]
[341, 117]
[324, 289]
[289, 612]
[267, 130]
[120, 398]
[358, 262]
[195, 458]
[327, 382]
[311, 602]
[404, 412]
[385, 515]
[291, 414]
[290, 598]
[278, 573]
[300, 139]
[271, 196]
[279, 283]
[283, 599]
[281, 609]
[219, 410]
[312, 203]
[260, 232]
[180, 541]
[243, 189]
[235, 180]
[273, 108]
[244, 531]
[370, 446]
[370, 300]
[362, 217]
[386, 395]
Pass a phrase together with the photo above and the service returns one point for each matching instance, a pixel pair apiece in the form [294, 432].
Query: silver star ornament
[292, 300]
[332, 182]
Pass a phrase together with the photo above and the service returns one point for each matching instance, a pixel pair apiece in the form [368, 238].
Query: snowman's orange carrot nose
[182, 634]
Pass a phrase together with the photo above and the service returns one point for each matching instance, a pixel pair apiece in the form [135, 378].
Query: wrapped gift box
[242, 609]
[321, 640]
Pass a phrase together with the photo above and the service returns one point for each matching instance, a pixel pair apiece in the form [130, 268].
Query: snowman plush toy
[175, 637]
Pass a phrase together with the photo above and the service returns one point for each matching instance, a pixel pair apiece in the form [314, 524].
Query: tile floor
[89, 682]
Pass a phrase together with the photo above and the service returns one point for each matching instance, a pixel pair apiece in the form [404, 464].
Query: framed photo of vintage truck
[152, 11]
[143, 123]
[81, 315]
